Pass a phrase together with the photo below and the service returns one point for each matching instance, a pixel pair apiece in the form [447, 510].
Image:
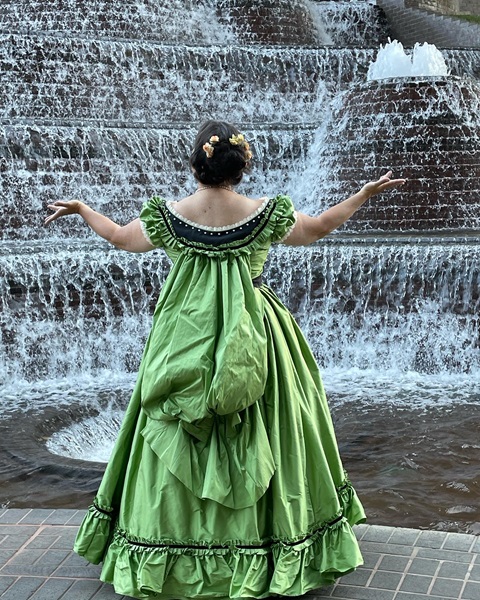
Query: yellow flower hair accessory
[239, 140]
[208, 147]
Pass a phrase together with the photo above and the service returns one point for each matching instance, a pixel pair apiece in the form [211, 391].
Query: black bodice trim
[232, 238]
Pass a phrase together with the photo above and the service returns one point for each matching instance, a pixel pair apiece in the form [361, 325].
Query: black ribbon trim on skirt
[103, 511]
[239, 546]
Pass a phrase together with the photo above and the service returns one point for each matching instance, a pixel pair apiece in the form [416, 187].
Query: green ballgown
[225, 480]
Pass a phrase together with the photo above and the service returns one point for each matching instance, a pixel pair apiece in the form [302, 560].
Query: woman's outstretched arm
[129, 237]
[310, 229]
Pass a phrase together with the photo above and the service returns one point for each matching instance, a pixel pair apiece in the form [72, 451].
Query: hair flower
[237, 140]
[208, 146]
[208, 149]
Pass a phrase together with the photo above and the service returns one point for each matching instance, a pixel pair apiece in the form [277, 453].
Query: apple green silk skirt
[246, 504]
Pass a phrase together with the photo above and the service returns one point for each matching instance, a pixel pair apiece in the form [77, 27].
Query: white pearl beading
[236, 225]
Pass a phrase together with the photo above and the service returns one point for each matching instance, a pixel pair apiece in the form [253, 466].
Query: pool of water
[410, 442]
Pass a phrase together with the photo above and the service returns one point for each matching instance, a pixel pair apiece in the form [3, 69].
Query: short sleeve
[152, 222]
[284, 218]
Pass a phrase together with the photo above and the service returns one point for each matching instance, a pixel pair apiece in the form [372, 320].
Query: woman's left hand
[62, 209]
[381, 185]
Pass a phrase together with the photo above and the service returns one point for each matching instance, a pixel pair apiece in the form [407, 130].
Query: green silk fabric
[225, 480]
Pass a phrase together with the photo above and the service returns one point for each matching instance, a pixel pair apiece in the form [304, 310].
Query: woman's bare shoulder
[215, 210]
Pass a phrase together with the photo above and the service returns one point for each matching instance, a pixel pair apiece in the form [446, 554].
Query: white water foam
[393, 61]
[92, 439]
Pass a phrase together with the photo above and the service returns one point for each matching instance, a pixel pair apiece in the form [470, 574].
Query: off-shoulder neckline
[169, 204]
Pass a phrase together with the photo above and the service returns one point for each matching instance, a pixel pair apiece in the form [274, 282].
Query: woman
[225, 480]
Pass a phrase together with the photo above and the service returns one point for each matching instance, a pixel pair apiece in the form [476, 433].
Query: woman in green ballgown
[225, 480]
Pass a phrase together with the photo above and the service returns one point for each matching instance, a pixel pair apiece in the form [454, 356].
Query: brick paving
[37, 563]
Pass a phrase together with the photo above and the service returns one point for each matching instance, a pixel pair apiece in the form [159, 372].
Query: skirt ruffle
[142, 568]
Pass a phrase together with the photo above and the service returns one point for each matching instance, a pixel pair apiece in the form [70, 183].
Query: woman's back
[216, 207]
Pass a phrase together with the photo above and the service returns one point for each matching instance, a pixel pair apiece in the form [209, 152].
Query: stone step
[45, 77]
[120, 168]
[74, 78]
[186, 21]
[412, 25]
[176, 21]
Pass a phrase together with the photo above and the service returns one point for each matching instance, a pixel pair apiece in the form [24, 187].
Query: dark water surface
[413, 466]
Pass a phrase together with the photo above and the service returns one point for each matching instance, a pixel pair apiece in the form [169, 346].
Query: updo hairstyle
[227, 163]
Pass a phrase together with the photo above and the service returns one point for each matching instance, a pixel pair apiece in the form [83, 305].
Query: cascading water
[347, 23]
[105, 108]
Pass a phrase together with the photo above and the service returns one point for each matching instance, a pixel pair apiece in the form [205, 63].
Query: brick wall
[447, 7]
[441, 6]
[280, 22]
[423, 129]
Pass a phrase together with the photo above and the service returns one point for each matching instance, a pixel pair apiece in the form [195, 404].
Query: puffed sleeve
[152, 222]
[283, 219]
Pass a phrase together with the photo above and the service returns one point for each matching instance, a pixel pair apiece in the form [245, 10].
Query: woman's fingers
[59, 211]
[51, 218]
[62, 208]
[386, 181]
[392, 183]
[383, 184]
[386, 176]
[62, 204]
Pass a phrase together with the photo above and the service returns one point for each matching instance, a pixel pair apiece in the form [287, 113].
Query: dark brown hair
[228, 162]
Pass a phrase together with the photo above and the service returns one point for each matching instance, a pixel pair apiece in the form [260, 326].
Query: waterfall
[101, 101]
[346, 23]
[401, 305]
[104, 107]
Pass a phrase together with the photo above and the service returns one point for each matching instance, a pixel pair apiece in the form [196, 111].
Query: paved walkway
[37, 563]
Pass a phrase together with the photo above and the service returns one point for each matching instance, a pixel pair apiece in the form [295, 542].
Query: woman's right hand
[62, 209]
